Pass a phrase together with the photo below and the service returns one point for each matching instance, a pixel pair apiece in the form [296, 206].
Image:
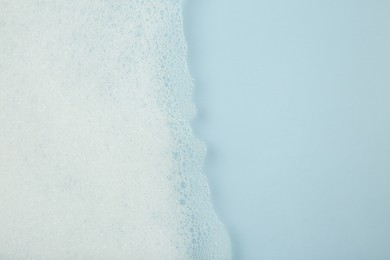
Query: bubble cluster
[97, 156]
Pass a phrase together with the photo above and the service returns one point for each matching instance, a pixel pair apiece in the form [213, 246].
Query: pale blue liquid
[294, 105]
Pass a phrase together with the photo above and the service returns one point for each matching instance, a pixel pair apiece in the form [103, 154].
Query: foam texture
[97, 157]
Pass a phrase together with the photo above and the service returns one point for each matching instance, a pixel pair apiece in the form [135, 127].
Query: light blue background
[294, 105]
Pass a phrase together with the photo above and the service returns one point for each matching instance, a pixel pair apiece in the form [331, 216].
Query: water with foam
[97, 157]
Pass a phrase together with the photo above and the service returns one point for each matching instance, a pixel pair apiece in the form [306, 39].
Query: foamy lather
[97, 158]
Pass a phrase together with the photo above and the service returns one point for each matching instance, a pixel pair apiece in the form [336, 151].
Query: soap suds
[97, 157]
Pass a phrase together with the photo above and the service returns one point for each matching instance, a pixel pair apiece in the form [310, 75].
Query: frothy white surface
[97, 158]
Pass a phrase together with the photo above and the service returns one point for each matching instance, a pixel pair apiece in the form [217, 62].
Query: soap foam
[97, 157]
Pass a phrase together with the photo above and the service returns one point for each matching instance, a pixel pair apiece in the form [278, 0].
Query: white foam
[97, 158]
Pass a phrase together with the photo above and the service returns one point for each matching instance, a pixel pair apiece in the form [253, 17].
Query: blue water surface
[294, 105]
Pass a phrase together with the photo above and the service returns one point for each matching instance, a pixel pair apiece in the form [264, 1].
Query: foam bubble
[97, 157]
